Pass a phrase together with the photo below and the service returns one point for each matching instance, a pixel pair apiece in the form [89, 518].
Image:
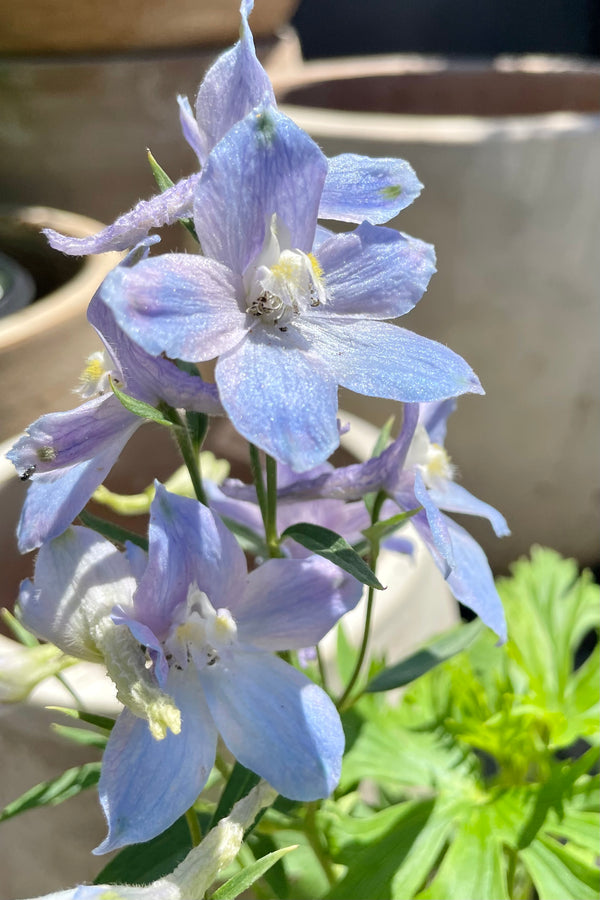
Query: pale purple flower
[190, 638]
[66, 455]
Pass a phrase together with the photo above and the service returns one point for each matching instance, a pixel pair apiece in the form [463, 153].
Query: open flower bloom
[416, 471]
[289, 317]
[190, 639]
[356, 188]
[67, 455]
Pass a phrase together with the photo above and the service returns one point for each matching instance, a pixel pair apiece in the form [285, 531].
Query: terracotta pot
[59, 26]
[44, 346]
[508, 153]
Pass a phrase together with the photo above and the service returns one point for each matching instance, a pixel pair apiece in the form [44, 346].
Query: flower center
[282, 283]
[432, 460]
[94, 379]
[200, 634]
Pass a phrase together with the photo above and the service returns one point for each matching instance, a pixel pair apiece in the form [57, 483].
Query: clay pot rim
[328, 122]
[59, 306]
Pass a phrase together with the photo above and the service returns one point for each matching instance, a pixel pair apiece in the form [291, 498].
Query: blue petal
[188, 544]
[434, 418]
[472, 582]
[78, 579]
[455, 498]
[231, 88]
[188, 307]
[190, 129]
[146, 784]
[51, 504]
[375, 272]
[130, 228]
[280, 398]
[277, 723]
[383, 360]
[316, 593]
[359, 188]
[436, 521]
[264, 165]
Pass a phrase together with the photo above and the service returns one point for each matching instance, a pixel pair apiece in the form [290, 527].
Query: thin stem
[259, 484]
[344, 700]
[189, 456]
[312, 833]
[194, 826]
[322, 670]
[271, 508]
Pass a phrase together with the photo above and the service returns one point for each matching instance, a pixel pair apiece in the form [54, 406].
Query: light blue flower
[356, 188]
[290, 314]
[416, 471]
[189, 637]
[66, 455]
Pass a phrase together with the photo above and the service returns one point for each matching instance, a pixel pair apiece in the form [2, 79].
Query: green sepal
[335, 548]
[140, 408]
[164, 183]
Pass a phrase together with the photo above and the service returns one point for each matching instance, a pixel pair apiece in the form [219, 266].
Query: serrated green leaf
[380, 530]
[114, 533]
[141, 409]
[335, 548]
[246, 878]
[105, 723]
[80, 735]
[559, 871]
[435, 652]
[473, 867]
[54, 791]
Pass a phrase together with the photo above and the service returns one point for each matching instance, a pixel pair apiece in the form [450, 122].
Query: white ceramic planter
[509, 156]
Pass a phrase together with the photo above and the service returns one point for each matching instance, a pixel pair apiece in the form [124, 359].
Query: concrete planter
[508, 153]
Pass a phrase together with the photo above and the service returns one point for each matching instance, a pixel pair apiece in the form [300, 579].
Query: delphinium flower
[417, 473]
[67, 455]
[190, 639]
[288, 319]
[356, 188]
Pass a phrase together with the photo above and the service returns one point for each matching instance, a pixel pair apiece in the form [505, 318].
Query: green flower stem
[312, 833]
[322, 671]
[194, 826]
[271, 509]
[189, 456]
[259, 484]
[344, 701]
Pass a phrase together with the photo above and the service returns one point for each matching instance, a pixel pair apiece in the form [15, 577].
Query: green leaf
[103, 722]
[80, 735]
[240, 782]
[380, 530]
[114, 533]
[383, 437]
[436, 652]
[249, 540]
[246, 878]
[335, 548]
[559, 871]
[143, 863]
[54, 791]
[141, 409]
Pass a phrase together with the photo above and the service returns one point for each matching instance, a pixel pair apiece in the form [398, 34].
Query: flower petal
[277, 723]
[383, 360]
[455, 498]
[472, 582]
[53, 501]
[190, 129]
[79, 577]
[359, 188]
[188, 307]
[280, 398]
[436, 523]
[146, 784]
[163, 209]
[316, 593]
[187, 544]
[264, 165]
[233, 86]
[375, 272]
[434, 418]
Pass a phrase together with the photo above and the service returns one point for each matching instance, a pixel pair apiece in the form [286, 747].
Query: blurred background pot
[508, 153]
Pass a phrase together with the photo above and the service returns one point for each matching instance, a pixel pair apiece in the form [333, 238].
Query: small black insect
[28, 473]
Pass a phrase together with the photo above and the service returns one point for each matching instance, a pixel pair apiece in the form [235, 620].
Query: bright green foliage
[467, 797]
